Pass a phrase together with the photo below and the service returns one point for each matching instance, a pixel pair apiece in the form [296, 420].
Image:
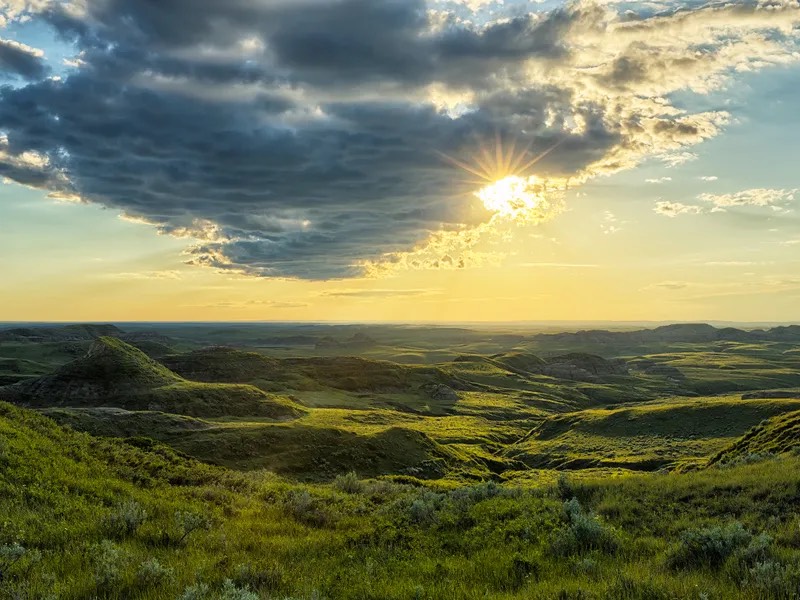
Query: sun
[512, 196]
[508, 189]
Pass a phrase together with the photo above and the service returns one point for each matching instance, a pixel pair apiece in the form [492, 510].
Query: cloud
[709, 178]
[755, 197]
[673, 209]
[676, 159]
[736, 263]
[556, 265]
[659, 180]
[303, 138]
[253, 304]
[611, 224]
[378, 293]
[20, 59]
[145, 275]
[668, 285]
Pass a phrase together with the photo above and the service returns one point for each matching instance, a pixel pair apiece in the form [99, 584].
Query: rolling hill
[115, 374]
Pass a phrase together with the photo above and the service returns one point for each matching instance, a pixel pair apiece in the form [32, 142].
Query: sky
[399, 160]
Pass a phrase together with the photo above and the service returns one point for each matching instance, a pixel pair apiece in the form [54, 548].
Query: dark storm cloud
[18, 59]
[233, 122]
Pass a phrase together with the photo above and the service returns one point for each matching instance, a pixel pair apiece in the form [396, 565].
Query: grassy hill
[113, 373]
[100, 518]
[348, 373]
[646, 436]
[774, 436]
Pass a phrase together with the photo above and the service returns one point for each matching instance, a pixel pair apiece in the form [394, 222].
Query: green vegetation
[86, 517]
[485, 465]
[113, 373]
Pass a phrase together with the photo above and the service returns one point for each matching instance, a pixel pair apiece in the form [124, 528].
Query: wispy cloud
[675, 159]
[659, 180]
[145, 275]
[754, 197]
[668, 285]
[252, 304]
[559, 265]
[673, 209]
[379, 293]
[737, 263]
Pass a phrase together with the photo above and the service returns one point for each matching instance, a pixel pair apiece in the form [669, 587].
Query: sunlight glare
[513, 197]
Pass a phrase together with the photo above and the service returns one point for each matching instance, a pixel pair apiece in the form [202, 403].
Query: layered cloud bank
[303, 138]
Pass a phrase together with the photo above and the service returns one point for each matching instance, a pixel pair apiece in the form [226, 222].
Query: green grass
[116, 374]
[108, 519]
[644, 436]
[775, 436]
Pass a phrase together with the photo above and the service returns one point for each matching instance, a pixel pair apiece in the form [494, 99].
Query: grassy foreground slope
[94, 518]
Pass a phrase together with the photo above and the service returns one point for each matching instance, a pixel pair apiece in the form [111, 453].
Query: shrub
[10, 555]
[770, 578]
[125, 519]
[198, 591]
[381, 490]
[231, 592]
[109, 562]
[423, 509]
[710, 546]
[349, 483]
[306, 509]
[152, 573]
[583, 532]
[189, 522]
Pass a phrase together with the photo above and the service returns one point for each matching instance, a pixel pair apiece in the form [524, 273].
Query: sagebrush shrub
[125, 519]
[10, 555]
[198, 591]
[231, 592]
[423, 509]
[152, 573]
[583, 532]
[770, 578]
[306, 509]
[710, 546]
[189, 522]
[109, 561]
[349, 483]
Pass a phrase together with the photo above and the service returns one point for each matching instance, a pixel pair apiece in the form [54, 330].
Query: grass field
[490, 472]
